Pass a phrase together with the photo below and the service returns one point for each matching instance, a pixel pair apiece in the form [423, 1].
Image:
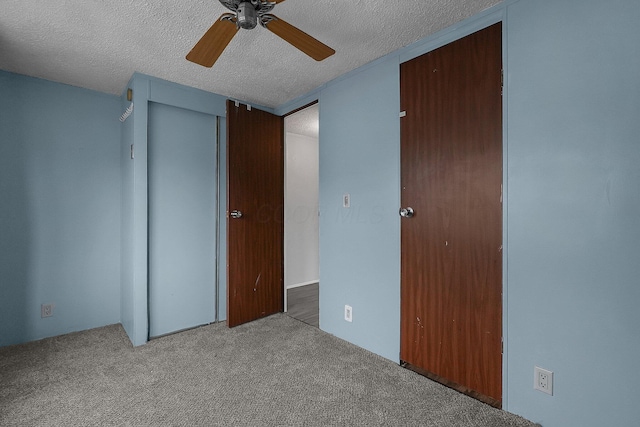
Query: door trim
[217, 226]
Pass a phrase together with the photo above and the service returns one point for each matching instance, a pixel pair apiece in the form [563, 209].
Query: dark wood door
[255, 177]
[451, 154]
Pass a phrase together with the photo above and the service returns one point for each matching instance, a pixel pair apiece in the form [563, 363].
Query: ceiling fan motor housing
[247, 16]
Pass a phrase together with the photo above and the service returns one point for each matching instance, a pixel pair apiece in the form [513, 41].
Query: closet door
[182, 218]
[451, 262]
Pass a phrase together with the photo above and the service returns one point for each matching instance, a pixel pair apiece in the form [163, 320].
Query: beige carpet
[272, 372]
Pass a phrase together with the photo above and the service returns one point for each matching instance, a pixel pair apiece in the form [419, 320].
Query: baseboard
[297, 285]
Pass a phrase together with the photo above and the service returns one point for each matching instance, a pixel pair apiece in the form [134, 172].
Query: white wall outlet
[346, 200]
[543, 380]
[348, 313]
[46, 310]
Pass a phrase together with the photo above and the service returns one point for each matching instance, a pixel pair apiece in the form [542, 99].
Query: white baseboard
[296, 285]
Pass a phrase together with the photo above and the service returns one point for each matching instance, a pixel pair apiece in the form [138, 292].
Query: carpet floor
[276, 371]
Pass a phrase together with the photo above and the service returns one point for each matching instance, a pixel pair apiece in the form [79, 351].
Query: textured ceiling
[98, 44]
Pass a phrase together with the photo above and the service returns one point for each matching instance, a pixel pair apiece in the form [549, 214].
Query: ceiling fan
[247, 15]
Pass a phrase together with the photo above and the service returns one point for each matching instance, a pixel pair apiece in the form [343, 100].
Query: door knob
[235, 214]
[406, 212]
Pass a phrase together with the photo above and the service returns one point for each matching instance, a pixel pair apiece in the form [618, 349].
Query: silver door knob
[406, 212]
[235, 214]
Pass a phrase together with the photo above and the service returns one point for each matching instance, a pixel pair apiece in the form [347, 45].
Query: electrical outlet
[346, 200]
[46, 310]
[348, 313]
[543, 380]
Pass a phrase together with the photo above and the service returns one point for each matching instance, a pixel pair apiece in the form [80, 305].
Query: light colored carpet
[272, 372]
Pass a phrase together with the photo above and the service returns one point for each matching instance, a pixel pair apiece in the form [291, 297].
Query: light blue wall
[68, 188]
[134, 214]
[360, 245]
[134, 285]
[572, 205]
[360, 155]
[59, 208]
[574, 210]
[572, 153]
[127, 315]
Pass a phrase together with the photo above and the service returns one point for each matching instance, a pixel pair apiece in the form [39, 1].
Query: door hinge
[501, 193]
[403, 113]
[131, 151]
[501, 82]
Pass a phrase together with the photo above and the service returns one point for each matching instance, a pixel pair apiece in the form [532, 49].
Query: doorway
[301, 222]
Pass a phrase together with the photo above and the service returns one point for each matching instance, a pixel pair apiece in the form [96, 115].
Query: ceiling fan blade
[215, 40]
[299, 39]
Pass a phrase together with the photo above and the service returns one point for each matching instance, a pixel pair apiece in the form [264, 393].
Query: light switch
[346, 200]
